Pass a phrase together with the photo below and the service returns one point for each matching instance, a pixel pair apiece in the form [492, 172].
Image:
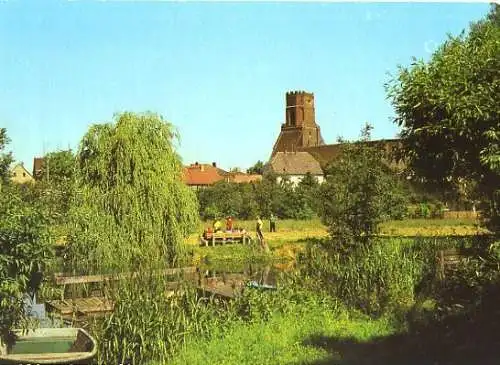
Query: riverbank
[292, 237]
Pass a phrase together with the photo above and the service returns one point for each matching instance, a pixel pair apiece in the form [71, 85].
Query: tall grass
[284, 339]
[149, 323]
[387, 275]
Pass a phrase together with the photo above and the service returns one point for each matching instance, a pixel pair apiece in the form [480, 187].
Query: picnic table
[224, 237]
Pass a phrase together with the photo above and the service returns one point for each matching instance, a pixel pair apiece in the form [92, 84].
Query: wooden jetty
[448, 260]
[225, 287]
[80, 307]
[61, 279]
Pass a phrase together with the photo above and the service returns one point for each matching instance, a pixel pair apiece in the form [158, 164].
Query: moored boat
[50, 346]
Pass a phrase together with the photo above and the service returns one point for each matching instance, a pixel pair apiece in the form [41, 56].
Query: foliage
[306, 193]
[58, 167]
[392, 275]
[258, 168]
[25, 250]
[55, 185]
[132, 207]
[223, 199]
[360, 192]
[375, 279]
[284, 339]
[448, 110]
[131, 213]
[5, 158]
[147, 324]
[247, 200]
[477, 274]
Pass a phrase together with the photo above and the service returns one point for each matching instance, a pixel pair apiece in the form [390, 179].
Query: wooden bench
[224, 237]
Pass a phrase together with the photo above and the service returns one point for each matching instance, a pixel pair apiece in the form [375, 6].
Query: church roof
[327, 153]
[294, 163]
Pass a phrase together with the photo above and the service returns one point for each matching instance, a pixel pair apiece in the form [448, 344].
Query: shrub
[25, 250]
[360, 192]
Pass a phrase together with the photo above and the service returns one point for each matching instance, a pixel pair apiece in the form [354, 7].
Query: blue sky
[217, 71]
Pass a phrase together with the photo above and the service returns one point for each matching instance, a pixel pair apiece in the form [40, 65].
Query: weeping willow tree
[131, 213]
[132, 208]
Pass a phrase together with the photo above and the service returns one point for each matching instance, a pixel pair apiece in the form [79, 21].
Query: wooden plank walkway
[226, 287]
[88, 307]
[61, 279]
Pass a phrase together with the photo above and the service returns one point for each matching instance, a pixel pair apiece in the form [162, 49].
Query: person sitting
[217, 226]
[207, 233]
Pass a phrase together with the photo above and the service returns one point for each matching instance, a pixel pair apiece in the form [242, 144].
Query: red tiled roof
[201, 174]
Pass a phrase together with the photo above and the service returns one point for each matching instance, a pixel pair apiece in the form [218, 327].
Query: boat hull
[50, 346]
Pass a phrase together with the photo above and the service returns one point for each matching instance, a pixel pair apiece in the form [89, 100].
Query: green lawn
[288, 339]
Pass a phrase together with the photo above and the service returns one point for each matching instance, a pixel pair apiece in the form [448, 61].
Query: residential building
[199, 175]
[20, 175]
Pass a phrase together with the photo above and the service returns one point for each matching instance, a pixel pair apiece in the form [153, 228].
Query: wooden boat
[50, 346]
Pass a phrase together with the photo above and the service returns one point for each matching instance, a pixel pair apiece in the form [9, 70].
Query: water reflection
[266, 275]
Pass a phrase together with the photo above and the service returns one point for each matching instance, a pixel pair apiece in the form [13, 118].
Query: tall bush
[25, 250]
[360, 192]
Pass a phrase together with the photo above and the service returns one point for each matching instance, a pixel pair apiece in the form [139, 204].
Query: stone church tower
[300, 129]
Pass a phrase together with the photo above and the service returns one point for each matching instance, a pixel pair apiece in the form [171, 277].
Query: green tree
[449, 110]
[258, 168]
[307, 191]
[221, 199]
[360, 192]
[249, 207]
[132, 212]
[25, 250]
[132, 207]
[55, 185]
[58, 167]
[268, 195]
[5, 158]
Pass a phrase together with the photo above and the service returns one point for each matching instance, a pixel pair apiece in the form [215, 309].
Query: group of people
[217, 227]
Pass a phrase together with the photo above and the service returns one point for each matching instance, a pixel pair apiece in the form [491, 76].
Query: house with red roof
[199, 175]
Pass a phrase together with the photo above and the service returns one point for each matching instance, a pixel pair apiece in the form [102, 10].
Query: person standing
[272, 223]
[260, 236]
[229, 224]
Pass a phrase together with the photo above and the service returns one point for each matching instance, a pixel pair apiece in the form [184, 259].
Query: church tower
[300, 128]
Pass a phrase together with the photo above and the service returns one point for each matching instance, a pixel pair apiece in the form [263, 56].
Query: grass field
[292, 236]
[300, 229]
[282, 340]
